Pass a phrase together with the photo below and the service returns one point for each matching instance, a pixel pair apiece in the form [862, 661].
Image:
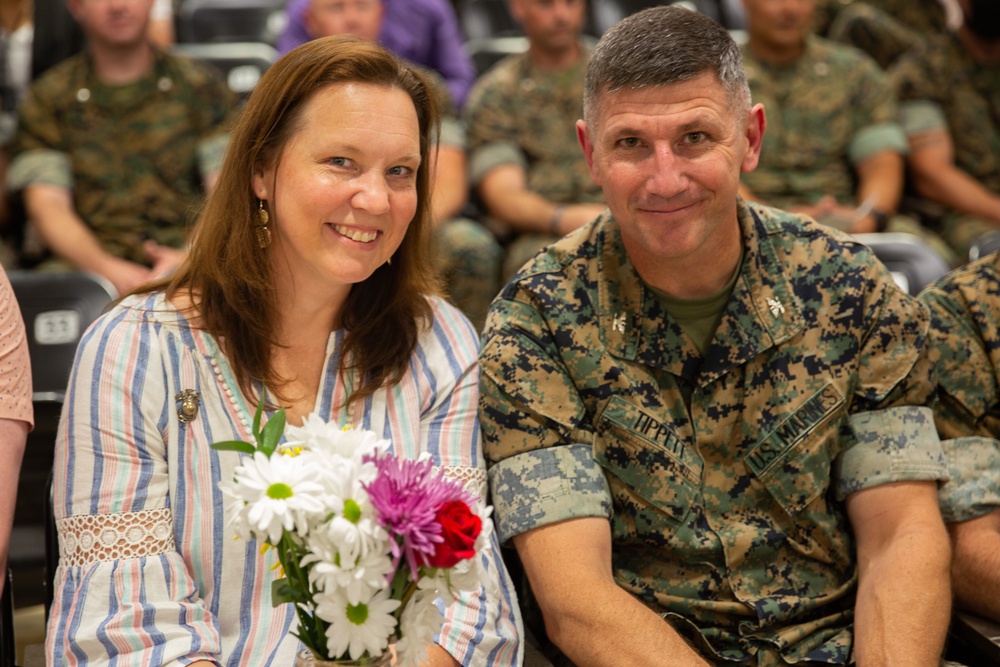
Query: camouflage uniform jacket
[965, 322]
[134, 156]
[940, 86]
[520, 114]
[726, 513]
[826, 112]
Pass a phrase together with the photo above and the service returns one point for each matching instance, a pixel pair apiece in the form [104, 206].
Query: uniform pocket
[794, 458]
[648, 458]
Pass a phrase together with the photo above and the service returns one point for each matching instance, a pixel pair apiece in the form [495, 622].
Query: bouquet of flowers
[367, 542]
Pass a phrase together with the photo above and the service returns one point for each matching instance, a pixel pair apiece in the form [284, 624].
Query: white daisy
[321, 436]
[357, 628]
[420, 621]
[278, 493]
[357, 579]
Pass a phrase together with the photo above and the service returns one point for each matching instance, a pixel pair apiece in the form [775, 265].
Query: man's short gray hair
[663, 45]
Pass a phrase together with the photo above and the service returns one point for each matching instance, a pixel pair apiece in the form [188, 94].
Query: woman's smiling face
[344, 189]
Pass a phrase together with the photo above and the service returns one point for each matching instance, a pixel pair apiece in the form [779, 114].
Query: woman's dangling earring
[263, 233]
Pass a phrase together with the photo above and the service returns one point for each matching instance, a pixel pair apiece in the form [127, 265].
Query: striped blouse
[149, 573]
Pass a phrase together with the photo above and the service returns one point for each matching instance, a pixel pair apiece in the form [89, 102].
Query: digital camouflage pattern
[940, 87]
[518, 113]
[922, 17]
[873, 31]
[965, 326]
[521, 114]
[826, 112]
[724, 476]
[134, 156]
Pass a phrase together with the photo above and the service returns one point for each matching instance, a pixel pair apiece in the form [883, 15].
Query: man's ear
[756, 124]
[587, 144]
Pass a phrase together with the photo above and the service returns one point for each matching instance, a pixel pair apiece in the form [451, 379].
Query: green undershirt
[699, 318]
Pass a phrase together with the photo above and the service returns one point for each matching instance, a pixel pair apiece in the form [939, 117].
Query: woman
[308, 278]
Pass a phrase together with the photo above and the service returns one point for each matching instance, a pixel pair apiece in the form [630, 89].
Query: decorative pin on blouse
[776, 306]
[187, 405]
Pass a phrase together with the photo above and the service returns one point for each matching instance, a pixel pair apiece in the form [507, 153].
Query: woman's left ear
[259, 182]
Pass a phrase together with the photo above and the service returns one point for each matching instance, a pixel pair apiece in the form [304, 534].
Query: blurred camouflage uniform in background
[940, 86]
[134, 156]
[884, 29]
[723, 475]
[965, 323]
[519, 113]
[829, 110]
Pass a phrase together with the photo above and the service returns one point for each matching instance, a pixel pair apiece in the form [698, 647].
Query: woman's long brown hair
[230, 277]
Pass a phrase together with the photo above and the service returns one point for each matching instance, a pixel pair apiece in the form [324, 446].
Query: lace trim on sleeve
[473, 479]
[92, 538]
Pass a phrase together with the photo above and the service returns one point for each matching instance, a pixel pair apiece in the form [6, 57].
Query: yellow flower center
[279, 491]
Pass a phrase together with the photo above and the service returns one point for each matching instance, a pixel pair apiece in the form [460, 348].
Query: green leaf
[256, 419]
[271, 435]
[282, 591]
[234, 446]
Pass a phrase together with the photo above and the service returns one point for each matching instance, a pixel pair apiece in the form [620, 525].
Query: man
[706, 419]
[115, 147]
[950, 111]
[965, 316]
[425, 32]
[833, 149]
[525, 165]
[16, 411]
[468, 254]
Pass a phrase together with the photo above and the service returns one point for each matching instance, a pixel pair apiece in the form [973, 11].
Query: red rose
[459, 528]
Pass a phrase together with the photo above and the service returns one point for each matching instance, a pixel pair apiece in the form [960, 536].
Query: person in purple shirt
[425, 32]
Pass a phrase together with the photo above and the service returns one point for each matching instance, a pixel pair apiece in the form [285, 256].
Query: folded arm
[505, 192]
[50, 208]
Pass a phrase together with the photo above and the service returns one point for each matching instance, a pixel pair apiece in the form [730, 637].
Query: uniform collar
[762, 312]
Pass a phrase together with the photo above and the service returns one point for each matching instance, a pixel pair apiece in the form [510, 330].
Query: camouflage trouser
[873, 31]
[469, 260]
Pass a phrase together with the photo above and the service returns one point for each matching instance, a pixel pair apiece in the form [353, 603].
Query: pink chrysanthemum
[406, 495]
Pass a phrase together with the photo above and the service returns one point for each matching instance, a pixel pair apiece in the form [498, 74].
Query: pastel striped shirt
[149, 572]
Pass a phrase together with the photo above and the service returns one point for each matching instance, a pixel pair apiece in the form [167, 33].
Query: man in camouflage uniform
[114, 147]
[949, 93]
[833, 149]
[525, 163]
[706, 420]
[468, 254]
[965, 321]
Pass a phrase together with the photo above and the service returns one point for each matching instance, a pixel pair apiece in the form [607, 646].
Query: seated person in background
[425, 32]
[468, 254]
[279, 295]
[950, 111]
[16, 411]
[965, 320]
[833, 149]
[115, 147]
[525, 162]
[708, 421]
[885, 29]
